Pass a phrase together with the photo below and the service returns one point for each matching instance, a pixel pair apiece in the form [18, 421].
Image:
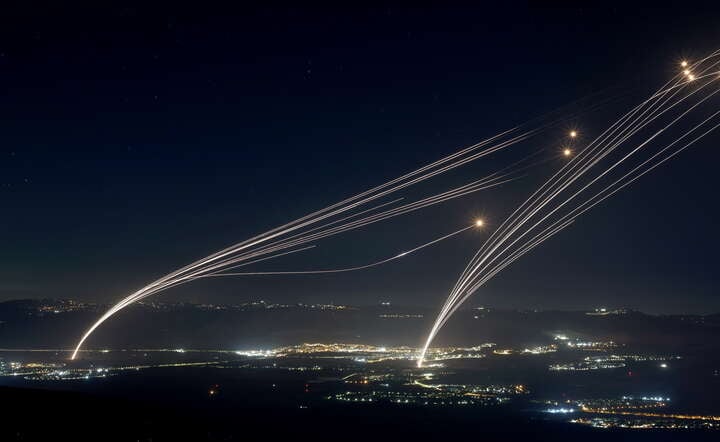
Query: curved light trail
[562, 198]
[347, 215]
[341, 217]
[475, 225]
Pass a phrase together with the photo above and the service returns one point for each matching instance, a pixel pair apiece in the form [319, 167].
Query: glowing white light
[560, 410]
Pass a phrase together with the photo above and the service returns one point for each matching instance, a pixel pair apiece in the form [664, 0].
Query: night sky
[135, 140]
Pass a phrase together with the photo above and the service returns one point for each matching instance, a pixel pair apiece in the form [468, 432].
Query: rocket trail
[344, 216]
[351, 269]
[350, 214]
[509, 242]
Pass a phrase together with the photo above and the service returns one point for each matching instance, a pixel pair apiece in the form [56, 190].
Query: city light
[560, 410]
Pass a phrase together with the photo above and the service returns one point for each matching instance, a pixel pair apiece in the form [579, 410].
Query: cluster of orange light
[567, 151]
[686, 71]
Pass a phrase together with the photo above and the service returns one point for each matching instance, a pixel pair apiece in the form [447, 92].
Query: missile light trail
[504, 245]
[342, 217]
[476, 224]
[634, 133]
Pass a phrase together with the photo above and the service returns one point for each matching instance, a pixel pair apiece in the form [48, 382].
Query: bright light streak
[347, 269]
[301, 229]
[510, 241]
[492, 258]
[318, 224]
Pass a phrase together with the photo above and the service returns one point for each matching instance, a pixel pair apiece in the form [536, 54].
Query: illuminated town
[377, 375]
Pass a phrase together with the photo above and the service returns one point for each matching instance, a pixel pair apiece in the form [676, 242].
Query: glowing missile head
[691, 77]
[684, 64]
[479, 222]
[686, 72]
[567, 152]
[573, 134]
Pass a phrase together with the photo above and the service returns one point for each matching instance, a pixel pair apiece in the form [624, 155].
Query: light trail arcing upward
[671, 105]
[337, 218]
[349, 214]
[352, 269]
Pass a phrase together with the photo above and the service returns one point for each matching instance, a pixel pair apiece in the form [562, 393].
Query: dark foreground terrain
[56, 415]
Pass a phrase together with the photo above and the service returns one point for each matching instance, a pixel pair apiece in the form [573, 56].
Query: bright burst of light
[573, 133]
[567, 152]
[479, 223]
[686, 72]
[684, 64]
[691, 77]
[560, 410]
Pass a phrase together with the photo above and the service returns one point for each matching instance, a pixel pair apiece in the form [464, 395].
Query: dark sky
[134, 140]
